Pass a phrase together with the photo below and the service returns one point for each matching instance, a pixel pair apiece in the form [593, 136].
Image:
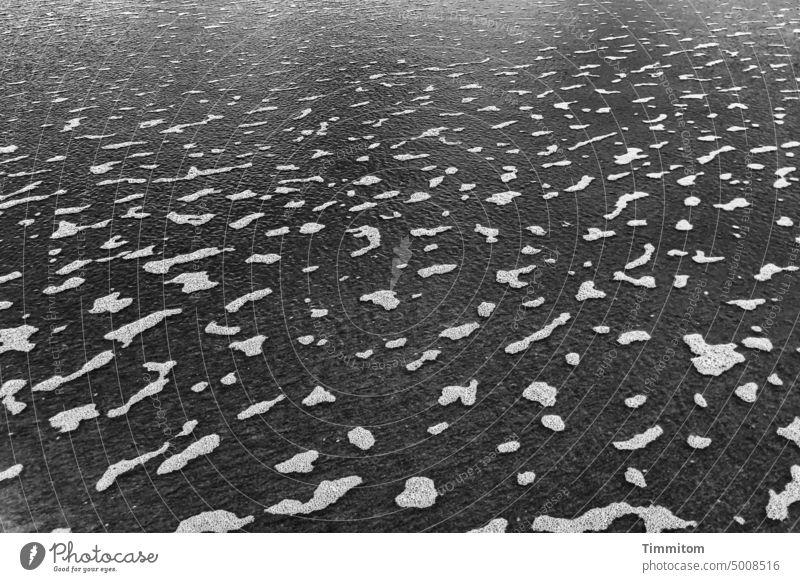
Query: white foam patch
[326, 494]
[427, 356]
[497, 525]
[417, 232]
[96, 362]
[259, 408]
[7, 395]
[656, 519]
[311, 228]
[485, 309]
[758, 343]
[15, 339]
[367, 181]
[698, 442]
[508, 447]
[553, 422]
[635, 477]
[218, 521]
[467, 394]
[778, 506]
[187, 428]
[70, 283]
[644, 281]
[300, 463]
[639, 441]
[250, 347]
[629, 156]
[747, 392]
[127, 333]
[632, 336]
[712, 360]
[193, 282]
[436, 270]
[373, 236]
[594, 234]
[511, 277]
[176, 462]
[649, 249]
[68, 420]
[587, 290]
[540, 335]
[622, 203]
[163, 266]
[121, 467]
[503, 198]
[767, 271]
[541, 392]
[10, 473]
[385, 298]
[635, 401]
[460, 332]
[489, 233]
[526, 478]
[361, 438]
[150, 389]
[791, 431]
[110, 304]
[582, 184]
[265, 259]
[253, 296]
[318, 396]
[419, 493]
[214, 328]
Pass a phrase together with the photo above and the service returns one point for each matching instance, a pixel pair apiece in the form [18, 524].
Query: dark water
[375, 75]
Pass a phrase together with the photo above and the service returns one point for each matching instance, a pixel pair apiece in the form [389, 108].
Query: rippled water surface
[417, 266]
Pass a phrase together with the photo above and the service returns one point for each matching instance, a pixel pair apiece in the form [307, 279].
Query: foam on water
[217, 521]
[419, 493]
[300, 463]
[639, 441]
[656, 519]
[327, 493]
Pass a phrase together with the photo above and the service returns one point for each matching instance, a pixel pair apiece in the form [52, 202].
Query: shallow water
[253, 95]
